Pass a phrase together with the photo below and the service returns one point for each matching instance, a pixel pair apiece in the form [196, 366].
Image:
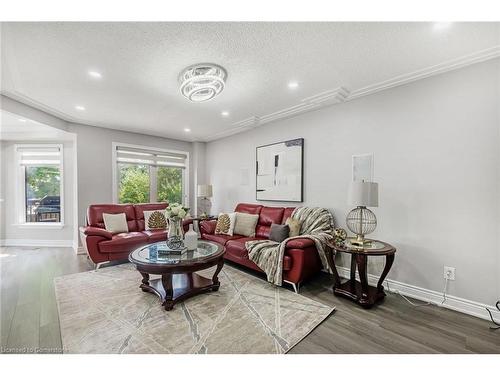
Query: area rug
[104, 311]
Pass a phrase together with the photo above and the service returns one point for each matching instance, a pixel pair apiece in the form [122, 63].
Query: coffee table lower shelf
[173, 288]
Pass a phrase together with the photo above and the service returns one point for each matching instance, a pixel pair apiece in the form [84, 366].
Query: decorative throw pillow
[279, 232]
[225, 224]
[155, 220]
[115, 223]
[294, 225]
[245, 224]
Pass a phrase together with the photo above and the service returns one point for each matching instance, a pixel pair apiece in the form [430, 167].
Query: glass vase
[175, 233]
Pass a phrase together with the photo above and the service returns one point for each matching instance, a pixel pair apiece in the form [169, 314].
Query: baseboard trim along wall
[37, 243]
[462, 305]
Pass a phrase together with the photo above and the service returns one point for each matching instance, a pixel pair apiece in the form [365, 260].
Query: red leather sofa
[301, 259]
[103, 246]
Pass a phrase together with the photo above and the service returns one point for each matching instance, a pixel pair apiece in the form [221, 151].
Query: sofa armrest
[93, 231]
[300, 243]
[208, 226]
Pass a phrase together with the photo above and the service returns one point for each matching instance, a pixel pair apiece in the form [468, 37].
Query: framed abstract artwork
[279, 170]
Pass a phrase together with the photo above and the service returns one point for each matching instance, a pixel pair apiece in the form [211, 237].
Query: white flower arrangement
[176, 210]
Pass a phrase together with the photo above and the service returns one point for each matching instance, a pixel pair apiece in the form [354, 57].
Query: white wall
[10, 230]
[436, 145]
[94, 149]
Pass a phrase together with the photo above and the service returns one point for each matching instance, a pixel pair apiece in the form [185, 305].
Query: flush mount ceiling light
[202, 82]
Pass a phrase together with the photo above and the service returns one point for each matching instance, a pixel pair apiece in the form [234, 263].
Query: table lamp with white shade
[361, 220]
[205, 192]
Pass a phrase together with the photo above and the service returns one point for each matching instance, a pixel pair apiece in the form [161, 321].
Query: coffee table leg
[215, 279]
[145, 278]
[166, 280]
[361, 261]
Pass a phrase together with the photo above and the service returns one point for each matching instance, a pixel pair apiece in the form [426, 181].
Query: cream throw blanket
[316, 224]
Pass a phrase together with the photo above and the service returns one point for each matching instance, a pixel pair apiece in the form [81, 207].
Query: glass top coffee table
[179, 279]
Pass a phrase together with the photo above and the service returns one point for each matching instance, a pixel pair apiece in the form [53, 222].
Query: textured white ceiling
[46, 64]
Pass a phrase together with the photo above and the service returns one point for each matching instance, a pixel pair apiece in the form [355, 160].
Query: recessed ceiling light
[293, 85]
[187, 130]
[79, 107]
[224, 113]
[95, 74]
[438, 26]
[22, 120]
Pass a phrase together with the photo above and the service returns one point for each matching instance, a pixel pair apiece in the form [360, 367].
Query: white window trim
[21, 193]
[115, 182]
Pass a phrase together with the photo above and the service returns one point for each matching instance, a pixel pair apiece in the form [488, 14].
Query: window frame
[153, 194]
[21, 186]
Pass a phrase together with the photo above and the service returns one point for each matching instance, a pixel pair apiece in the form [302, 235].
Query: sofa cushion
[248, 208]
[208, 226]
[139, 212]
[95, 211]
[123, 242]
[219, 238]
[155, 235]
[263, 231]
[270, 215]
[287, 213]
[235, 249]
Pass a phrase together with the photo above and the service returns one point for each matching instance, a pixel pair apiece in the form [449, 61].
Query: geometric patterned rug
[104, 311]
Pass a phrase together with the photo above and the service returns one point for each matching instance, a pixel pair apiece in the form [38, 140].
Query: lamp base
[360, 241]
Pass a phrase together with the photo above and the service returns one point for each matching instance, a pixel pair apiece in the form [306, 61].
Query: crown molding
[461, 62]
[21, 98]
[342, 94]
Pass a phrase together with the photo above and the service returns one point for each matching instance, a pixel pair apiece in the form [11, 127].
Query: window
[41, 183]
[149, 175]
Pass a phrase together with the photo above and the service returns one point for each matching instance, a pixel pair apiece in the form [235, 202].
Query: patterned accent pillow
[294, 225]
[225, 224]
[155, 220]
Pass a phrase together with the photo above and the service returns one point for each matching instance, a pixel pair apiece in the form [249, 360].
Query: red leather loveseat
[301, 258]
[103, 246]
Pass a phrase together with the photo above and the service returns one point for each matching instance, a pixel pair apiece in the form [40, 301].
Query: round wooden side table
[359, 291]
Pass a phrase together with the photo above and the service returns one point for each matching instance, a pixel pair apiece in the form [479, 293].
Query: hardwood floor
[30, 323]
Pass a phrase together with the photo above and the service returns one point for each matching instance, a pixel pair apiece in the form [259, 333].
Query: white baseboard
[80, 250]
[37, 243]
[462, 305]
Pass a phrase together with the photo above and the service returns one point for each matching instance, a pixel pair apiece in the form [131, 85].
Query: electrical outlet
[449, 273]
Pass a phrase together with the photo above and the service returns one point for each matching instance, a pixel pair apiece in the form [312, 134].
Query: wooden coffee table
[359, 291]
[179, 279]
